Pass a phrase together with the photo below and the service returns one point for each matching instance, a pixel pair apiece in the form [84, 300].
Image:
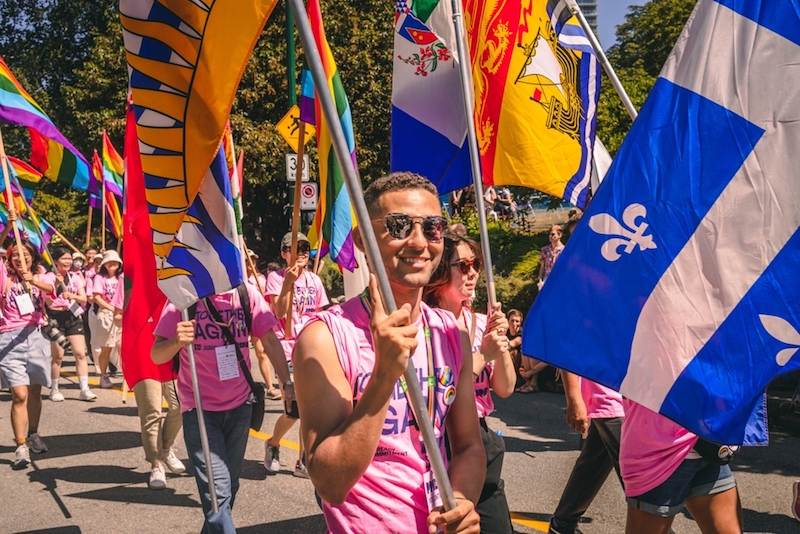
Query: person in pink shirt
[596, 413]
[255, 277]
[298, 291]
[24, 358]
[365, 456]
[662, 472]
[66, 307]
[451, 288]
[105, 333]
[225, 392]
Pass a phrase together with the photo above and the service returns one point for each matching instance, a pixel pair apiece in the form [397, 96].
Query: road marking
[526, 521]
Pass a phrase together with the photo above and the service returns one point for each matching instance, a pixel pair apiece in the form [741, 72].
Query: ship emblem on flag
[691, 307]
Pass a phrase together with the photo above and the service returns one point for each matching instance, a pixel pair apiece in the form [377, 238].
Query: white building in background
[589, 8]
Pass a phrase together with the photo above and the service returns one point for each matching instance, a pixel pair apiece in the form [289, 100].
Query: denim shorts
[693, 478]
[24, 358]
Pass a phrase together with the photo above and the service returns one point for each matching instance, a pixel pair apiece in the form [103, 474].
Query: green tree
[644, 41]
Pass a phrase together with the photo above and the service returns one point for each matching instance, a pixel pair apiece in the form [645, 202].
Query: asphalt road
[94, 477]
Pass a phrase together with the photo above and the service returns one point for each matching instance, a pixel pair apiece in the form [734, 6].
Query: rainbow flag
[28, 177]
[185, 62]
[112, 167]
[59, 164]
[39, 231]
[18, 107]
[113, 214]
[334, 220]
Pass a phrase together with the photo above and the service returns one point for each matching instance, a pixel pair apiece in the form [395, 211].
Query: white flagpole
[601, 56]
[465, 67]
[201, 422]
[370, 242]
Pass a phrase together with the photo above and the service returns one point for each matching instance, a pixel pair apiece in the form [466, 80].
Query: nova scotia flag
[679, 288]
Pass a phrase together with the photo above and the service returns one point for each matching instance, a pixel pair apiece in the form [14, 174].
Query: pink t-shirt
[218, 395]
[651, 448]
[118, 300]
[74, 283]
[105, 286]
[390, 496]
[262, 280]
[482, 385]
[12, 288]
[309, 296]
[601, 402]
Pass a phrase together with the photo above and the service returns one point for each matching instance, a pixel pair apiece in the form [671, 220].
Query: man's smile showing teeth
[414, 261]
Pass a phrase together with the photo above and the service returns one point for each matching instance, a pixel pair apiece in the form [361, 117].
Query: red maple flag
[146, 299]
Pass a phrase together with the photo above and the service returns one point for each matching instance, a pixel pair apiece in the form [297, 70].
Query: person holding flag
[365, 453]
[65, 307]
[298, 294]
[24, 361]
[225, 391]
[452, 288]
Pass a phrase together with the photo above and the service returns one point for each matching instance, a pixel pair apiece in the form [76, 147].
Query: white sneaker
[105, 382]
[158, 478]
[172, 462]
[22, 457]
[87, 395]
[35, 443]
[272, 458]
[56, 395]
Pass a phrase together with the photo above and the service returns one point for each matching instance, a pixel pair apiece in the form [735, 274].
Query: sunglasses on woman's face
[465, 265]
[400, 226]
[302, 248]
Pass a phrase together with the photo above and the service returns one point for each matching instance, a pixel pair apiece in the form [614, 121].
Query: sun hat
[109, 256]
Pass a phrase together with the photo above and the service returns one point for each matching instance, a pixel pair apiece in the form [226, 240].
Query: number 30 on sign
[291, 167]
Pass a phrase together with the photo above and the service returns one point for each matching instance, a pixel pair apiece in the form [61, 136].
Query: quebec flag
[679, 288]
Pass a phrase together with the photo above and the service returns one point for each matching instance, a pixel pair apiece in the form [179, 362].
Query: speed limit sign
[291, 167]
[308, 196]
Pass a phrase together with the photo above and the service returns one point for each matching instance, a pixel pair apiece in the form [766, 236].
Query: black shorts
[67, 322]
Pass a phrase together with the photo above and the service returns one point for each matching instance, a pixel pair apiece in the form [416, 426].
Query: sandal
[528, 389]
[274, 394]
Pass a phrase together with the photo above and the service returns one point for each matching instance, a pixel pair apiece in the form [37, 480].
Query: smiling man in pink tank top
[365, 454]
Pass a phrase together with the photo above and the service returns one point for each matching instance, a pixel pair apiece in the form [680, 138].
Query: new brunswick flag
[536, 85]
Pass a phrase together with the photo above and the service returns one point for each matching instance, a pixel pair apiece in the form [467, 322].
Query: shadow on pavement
[128, 411]
[88, 474]
[766, 523]
[253, 470]
[139, 495]
[72, 444]
[71, 529]
[301, 525]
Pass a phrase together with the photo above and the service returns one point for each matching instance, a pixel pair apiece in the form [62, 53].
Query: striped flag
[53, 149]
[537, 81]
[679, 286]
[113, 214]
[334, 220]
[112, 167]
[185, 61]
[28, 177]
[39, 231]
[60, 164]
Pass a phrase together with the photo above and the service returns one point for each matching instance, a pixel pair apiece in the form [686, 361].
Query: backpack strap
[176, 360]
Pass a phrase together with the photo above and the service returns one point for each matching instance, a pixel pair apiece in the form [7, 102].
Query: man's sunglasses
[302, 248]
[400, 226]
[465, 265]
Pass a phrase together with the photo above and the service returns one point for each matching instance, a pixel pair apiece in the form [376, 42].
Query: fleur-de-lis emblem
[629, 235]
[782, 330]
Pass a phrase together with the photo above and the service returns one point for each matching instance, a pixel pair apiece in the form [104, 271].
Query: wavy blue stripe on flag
[679, 286]
[206, 259]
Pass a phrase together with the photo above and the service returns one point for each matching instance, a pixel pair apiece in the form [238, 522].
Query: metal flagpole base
[201, 423]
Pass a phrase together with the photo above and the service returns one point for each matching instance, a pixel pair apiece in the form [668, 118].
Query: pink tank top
[482, 385]
[390, 496]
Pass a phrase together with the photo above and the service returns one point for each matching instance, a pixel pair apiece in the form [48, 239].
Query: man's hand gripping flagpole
[371, 244]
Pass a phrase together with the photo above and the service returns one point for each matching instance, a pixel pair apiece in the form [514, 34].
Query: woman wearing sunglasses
[451, 288]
